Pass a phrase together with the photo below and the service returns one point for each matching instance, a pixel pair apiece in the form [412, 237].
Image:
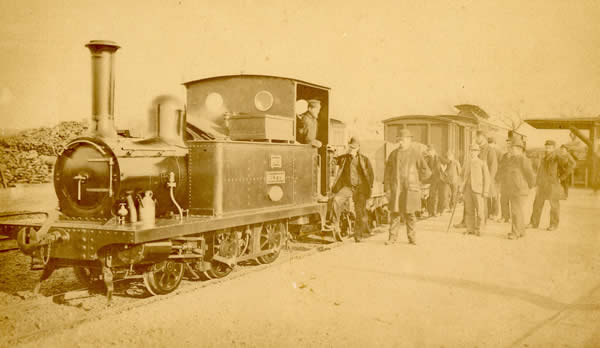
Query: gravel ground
[451, 290]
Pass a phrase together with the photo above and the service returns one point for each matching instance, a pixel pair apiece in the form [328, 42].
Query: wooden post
[592, 157]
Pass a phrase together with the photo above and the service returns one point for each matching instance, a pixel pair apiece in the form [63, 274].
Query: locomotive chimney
[103, 87]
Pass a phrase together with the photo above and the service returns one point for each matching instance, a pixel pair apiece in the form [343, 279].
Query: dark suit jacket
[548, 181]
[365, 172]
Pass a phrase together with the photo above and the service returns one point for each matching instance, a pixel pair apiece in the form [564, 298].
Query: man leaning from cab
[306, 129]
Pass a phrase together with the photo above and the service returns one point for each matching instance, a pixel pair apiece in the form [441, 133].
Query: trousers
[538, 205]
[339, 202]
[505, 207]
[517, 210]
[396, 223]
[474, 210]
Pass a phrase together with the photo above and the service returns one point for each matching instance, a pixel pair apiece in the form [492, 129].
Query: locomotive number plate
[275, 177]
[275, 161]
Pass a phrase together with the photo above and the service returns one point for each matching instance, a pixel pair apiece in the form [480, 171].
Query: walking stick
[452, 216]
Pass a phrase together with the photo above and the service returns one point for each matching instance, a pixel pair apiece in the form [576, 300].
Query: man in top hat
[354, 180]
[548, 187]
[306, 128]
[475, 187]
[405, 170]
[518, 178]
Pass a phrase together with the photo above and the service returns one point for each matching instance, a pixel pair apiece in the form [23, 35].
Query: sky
[381, 58]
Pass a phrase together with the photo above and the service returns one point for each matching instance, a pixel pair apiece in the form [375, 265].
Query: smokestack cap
[107, 43]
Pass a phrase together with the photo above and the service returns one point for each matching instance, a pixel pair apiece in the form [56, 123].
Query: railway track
[74, 307]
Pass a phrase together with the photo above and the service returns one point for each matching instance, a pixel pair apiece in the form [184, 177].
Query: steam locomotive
[221, 182]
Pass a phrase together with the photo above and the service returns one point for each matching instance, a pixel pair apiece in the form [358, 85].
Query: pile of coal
[28, 156]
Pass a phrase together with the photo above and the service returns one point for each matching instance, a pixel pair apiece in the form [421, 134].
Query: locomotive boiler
[222, 181]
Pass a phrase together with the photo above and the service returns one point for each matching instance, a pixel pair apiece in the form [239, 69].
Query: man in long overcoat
[502, 178]
[518, 178]
[548, 187]
[405, 170]
[354, 180]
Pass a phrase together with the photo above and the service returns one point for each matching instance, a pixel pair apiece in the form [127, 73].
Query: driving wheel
[223, 246]
[271, 237]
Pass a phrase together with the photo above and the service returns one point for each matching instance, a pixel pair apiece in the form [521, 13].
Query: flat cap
[491, 140]
[474, 147]
[314, 102]
[550, 142]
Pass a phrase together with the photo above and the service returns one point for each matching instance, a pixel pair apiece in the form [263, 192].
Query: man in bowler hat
[405, 170]
[354, 180]
[475, 187]
[518, 179]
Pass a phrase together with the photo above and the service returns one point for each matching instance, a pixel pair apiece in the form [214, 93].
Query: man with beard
[405, 170]
[354, 180]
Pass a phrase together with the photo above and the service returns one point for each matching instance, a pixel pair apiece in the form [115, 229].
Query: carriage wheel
[222, 246]
[272, 236]
[89, 277]
[163, 277]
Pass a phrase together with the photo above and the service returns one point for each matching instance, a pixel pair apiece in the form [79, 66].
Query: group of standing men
[488, 182]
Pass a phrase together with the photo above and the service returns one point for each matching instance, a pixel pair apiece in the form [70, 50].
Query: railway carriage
[219, 183]
[446, 132]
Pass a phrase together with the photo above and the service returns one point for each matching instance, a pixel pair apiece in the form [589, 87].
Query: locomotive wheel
[163, 277]
[271, 237]
[222, 246]
[89, 277]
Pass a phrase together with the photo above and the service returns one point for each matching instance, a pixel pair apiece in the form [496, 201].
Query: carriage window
[418, 131]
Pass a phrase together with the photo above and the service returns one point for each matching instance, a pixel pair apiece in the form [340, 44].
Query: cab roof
[257, 76]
